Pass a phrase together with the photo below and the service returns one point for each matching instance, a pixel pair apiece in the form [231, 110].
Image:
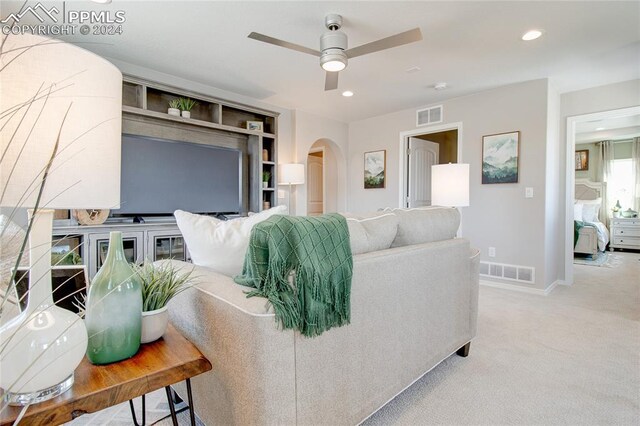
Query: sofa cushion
[425, 225]
[371, 233]
[217, 244]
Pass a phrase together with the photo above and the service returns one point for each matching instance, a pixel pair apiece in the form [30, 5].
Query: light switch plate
[528, 192]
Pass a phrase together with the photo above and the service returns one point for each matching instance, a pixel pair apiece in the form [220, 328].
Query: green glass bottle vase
[114, 308]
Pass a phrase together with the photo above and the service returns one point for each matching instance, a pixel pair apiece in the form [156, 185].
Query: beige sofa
[412, 306]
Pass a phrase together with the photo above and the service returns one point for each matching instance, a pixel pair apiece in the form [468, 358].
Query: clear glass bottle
[114, 308]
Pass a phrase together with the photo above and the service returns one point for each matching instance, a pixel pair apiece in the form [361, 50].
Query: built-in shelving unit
[149, 99]
[146, 103]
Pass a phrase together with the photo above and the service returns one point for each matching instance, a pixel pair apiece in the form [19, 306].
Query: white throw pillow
[371, 233]
[590, 212]
[577, 212]
[594, 201]
[218, 244]
[425, 225]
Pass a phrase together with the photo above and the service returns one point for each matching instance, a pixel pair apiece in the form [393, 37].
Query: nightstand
[625, 233]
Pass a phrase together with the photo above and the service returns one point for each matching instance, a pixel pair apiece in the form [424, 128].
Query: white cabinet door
[99, 245]
[163, 245]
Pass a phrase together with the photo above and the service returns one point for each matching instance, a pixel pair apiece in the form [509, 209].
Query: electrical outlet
[492, 252]
[528, 192]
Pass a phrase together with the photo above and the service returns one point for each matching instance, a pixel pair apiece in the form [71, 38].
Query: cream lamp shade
[38, 87]
[450, 185]
[56, 100]
[291, 174]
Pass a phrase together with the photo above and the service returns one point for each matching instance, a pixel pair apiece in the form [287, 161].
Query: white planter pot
[186, 114]
[154, 324]
[174, 111]
[265, 184]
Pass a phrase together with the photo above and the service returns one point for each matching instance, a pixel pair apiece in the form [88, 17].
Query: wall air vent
[429, 115]
[523, 274]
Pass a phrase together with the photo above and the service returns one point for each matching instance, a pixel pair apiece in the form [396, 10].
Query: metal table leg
[171, 399]
[191, 412]
[133, 412]
[174, 419]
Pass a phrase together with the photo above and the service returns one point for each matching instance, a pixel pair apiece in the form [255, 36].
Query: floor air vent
[429, 115]
[523, 274]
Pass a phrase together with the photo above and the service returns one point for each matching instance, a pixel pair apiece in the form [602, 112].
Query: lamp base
[34, 397]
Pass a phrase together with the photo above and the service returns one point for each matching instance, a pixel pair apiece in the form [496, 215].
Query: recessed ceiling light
[102, 1]
[440, 86]
[531, 35]
[347, 93]
[599, 128]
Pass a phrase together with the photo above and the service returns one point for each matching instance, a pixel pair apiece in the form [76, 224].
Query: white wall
[499, 216]
[554, 237]
[308, 129]
[596, 99]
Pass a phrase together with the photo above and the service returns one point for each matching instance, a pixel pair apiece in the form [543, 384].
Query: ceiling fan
[333, 51]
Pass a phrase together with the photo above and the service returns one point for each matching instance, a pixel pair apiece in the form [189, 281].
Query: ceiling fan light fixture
[333, 60]
[531, 35]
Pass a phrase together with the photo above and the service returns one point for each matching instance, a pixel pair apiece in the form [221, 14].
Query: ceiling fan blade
[385, 43]
[331, 81]
[282, 43]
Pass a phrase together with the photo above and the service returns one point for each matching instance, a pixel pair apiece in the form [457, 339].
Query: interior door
[315, 185]
[421, 156]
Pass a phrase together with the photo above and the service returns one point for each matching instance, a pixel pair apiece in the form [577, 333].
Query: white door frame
[324, 176]
[571, 175]
[404, 143]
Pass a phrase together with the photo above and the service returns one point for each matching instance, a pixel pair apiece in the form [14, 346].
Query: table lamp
[291, 174]
[62, 102]
[450, 185]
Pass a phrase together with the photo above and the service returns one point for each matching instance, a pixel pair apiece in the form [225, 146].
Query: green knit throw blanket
[318, 250]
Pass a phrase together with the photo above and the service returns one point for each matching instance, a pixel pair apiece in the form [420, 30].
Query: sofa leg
[464, 351]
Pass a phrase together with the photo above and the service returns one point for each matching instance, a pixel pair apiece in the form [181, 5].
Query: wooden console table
[162, 363]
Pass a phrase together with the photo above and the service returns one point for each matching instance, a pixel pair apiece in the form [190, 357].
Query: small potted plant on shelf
[160, 283]
[265, 179]
[186, 105]
[174, 107]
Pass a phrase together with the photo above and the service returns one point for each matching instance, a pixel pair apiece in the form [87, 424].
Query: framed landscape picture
[582, 159]
[375, 165]
[500, 158]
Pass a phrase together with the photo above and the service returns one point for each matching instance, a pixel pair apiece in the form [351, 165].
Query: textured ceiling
[473, 46]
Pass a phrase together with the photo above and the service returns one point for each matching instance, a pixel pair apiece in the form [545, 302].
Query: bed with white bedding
[594, 236]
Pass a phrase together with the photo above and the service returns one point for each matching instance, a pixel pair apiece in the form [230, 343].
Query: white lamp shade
[56, 75]
[450, 185]
[291, 174]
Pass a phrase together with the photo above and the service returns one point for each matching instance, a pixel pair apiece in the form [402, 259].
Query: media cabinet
[213, 121]
[149, 241]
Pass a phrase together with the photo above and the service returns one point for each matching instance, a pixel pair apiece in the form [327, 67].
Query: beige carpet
[571, 358]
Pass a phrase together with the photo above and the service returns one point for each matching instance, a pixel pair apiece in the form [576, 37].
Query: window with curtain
[620, 186]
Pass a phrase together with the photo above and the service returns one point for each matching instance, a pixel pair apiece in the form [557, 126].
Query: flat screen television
[159, 176]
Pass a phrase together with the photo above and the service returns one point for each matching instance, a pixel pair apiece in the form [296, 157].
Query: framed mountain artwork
[375, 164]
[500, 158]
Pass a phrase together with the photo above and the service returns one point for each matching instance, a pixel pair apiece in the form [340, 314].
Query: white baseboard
[522, 289]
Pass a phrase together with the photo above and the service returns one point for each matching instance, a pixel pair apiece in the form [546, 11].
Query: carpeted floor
[571, 358]
[599, 259]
